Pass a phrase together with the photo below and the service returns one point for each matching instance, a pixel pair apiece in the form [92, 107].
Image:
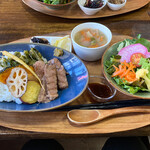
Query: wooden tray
[56, 122]
[74, 12]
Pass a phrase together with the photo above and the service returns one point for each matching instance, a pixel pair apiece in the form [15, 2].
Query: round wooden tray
[74, 12]
[57, 122]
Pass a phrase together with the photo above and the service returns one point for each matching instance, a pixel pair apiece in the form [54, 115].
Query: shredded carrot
[101, 38]
[93, 46]
[126, 71]
[82, 32]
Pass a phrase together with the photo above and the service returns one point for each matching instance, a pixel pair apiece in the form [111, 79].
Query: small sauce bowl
[116, 6]
[99, 89]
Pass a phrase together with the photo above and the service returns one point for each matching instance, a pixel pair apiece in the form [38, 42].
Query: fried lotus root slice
[17, 82]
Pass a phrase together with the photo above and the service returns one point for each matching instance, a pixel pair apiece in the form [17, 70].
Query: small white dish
[90, 54]
[116, 6]
[90, 11]
[52, 40]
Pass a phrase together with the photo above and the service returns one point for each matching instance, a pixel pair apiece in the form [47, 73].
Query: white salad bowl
[90, 54]
[90, 11]
[116, 6]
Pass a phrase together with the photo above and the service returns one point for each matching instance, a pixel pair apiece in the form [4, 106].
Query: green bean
[26, 53]
[18, 54]
[39, 55]
[5, 62]
[13, 63]
[31, 62]
[34, 54]
[29, 57]
[24, 59]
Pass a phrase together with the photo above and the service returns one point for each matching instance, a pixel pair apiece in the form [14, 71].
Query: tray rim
[85, 131]
[80, 17]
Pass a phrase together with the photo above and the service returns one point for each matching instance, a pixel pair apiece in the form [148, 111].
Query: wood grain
[56, 122]
[74, 12]
[18, 21]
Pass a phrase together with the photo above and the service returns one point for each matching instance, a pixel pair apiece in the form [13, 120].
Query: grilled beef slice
[51, 75]
[61, 73]
[39, 68]
[51, 81]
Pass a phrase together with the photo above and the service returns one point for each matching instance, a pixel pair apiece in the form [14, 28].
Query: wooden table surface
[18, 21]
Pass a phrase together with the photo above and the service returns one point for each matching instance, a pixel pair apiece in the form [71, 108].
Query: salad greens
[145, 64]
[55, 2]
[140, 40]
[143, 70]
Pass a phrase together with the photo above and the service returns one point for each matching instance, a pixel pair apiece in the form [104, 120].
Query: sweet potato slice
[32, 92]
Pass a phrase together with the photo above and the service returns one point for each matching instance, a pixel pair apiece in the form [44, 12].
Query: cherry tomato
[135, 58]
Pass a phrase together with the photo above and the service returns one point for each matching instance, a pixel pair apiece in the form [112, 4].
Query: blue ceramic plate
[77, 78]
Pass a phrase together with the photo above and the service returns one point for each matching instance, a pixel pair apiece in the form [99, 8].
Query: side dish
[55, 2]
[116, 1]
[61, 42]
[27, 77]
[90, 38]
[130, 65]
[93, 4]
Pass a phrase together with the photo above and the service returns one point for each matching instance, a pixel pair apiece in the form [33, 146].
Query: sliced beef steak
[61, 73]
[39, 68]
[51, 81]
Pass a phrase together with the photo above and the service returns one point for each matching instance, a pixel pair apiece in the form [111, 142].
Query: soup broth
[90, 38]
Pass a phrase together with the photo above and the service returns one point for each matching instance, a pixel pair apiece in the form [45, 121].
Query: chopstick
[107, 105]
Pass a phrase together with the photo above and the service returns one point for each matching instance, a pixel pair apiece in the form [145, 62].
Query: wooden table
[18, 21]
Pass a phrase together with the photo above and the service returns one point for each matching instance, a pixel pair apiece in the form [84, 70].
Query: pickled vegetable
[58, 52]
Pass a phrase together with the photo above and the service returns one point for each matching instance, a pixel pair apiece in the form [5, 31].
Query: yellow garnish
[23, 63]
[63, 43]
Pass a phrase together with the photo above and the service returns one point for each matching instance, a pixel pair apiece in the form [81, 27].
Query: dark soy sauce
[100, 90]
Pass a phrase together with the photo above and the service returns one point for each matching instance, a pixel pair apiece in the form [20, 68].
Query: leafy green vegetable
[125, 43]
[145, 64]
[114, 60]
[138, 85]
[55, 2]
[129, 87]
[140, 40]
[144, 42]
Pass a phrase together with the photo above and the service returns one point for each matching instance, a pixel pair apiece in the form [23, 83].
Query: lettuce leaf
[145, 64]
[140, 40]
[125, 43]
[144, 42]
[130, 88]
[114, 60]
